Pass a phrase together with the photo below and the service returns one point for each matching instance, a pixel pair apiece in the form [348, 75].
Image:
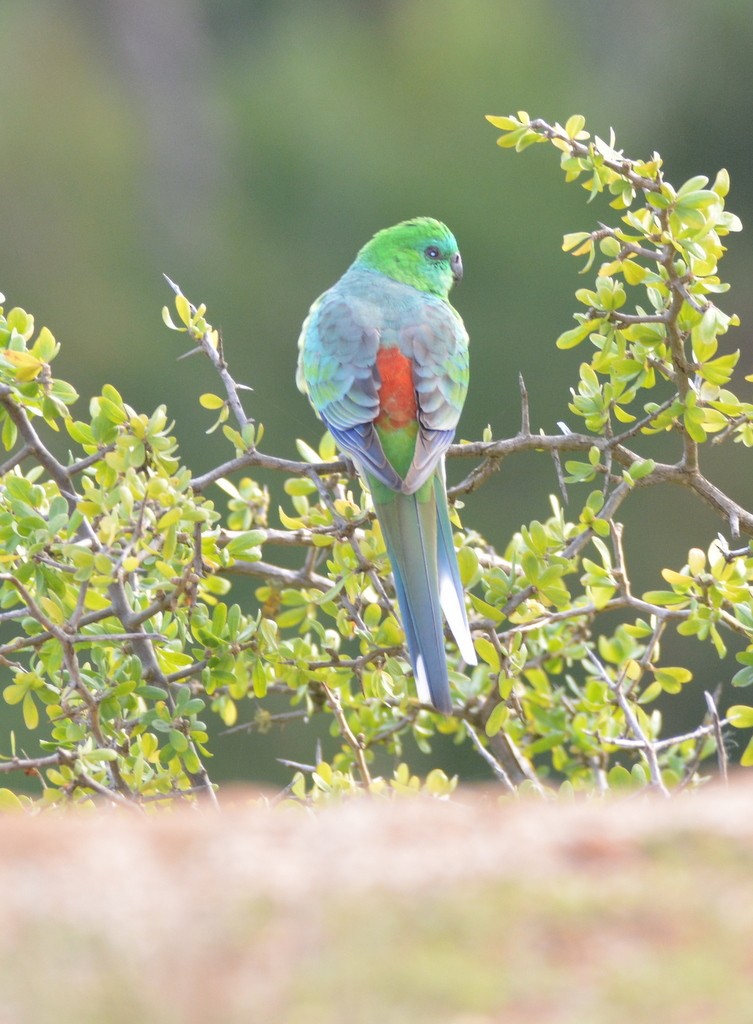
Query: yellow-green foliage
[121, 626]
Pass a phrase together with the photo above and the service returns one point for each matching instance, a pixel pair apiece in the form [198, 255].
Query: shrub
[122, 632]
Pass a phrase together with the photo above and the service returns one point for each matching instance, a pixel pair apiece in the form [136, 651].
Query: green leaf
[747, 758]
[692, 185]
[639, 470]
[183, 307]
[672, 679]
[468, 564]
[575, 241]
[14, 694]
[259, 679]
[45, 347]
[740, 716]
[578, 334]
[168, 320]
[111, 411]
[742, 678]
[172, 661]
[178, 740]
[721, 183]
[300, 485]
[210, 401]
[488, 652]
[497, 719]
[665, 597]
[103, 754]
[619, 777]
[505, 124]
[151, 692]
[486, 609]
[30, 712]
[245, 544]
[9, 802]
[574, 125]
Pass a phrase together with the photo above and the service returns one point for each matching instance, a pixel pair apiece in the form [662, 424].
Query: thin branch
[34, 444]
[216, 356]
[22, 642]
[16, 459]
[298, 765]
[356, 665]
[627, 319]
[641, 423]
[144, 649]
[91, 460]
[618, 163]
[701, 732]
[525, 418]
[83, 779]
[487, 755]
[279, 718]
[647, 747]
[285, 577]
[355, 743]
[716, 728]
[33, 608]
[560, 476]
[256, 459]
[35, 764]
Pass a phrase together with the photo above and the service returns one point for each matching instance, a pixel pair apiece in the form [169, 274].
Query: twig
[355, 744]
[525, 418]
[286, 577]
[490, 759]
[716, 727]
[298, 765]
[34, 444]
[253, 458]
[83, 779]
[276, 719]
[646, 746]
[216, 356]
[34, 764]
[618, 163]
[560, 475]
[701, 732]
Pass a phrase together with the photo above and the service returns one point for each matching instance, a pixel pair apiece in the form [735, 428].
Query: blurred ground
[473, 912]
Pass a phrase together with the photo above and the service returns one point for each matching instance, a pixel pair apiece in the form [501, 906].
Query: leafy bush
[121, 632]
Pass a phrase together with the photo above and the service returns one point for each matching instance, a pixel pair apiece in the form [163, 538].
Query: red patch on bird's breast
[397, 393]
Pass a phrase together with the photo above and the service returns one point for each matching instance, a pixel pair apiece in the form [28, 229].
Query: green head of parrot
[421, 252]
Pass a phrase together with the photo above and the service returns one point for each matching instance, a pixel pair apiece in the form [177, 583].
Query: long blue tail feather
[418, 536]
[410, 533]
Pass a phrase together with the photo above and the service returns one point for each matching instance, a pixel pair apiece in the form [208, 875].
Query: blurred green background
[248, 148]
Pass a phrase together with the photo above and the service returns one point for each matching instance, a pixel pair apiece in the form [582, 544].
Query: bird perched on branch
[384, 362]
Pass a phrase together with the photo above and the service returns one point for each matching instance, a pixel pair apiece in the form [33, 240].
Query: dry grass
[411, 911]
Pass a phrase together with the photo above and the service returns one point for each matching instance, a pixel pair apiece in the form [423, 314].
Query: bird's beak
[457, 268]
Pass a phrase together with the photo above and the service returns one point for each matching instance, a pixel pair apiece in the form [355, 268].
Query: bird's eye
[432, 252]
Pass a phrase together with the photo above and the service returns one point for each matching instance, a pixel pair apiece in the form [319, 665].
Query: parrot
[383, 360]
